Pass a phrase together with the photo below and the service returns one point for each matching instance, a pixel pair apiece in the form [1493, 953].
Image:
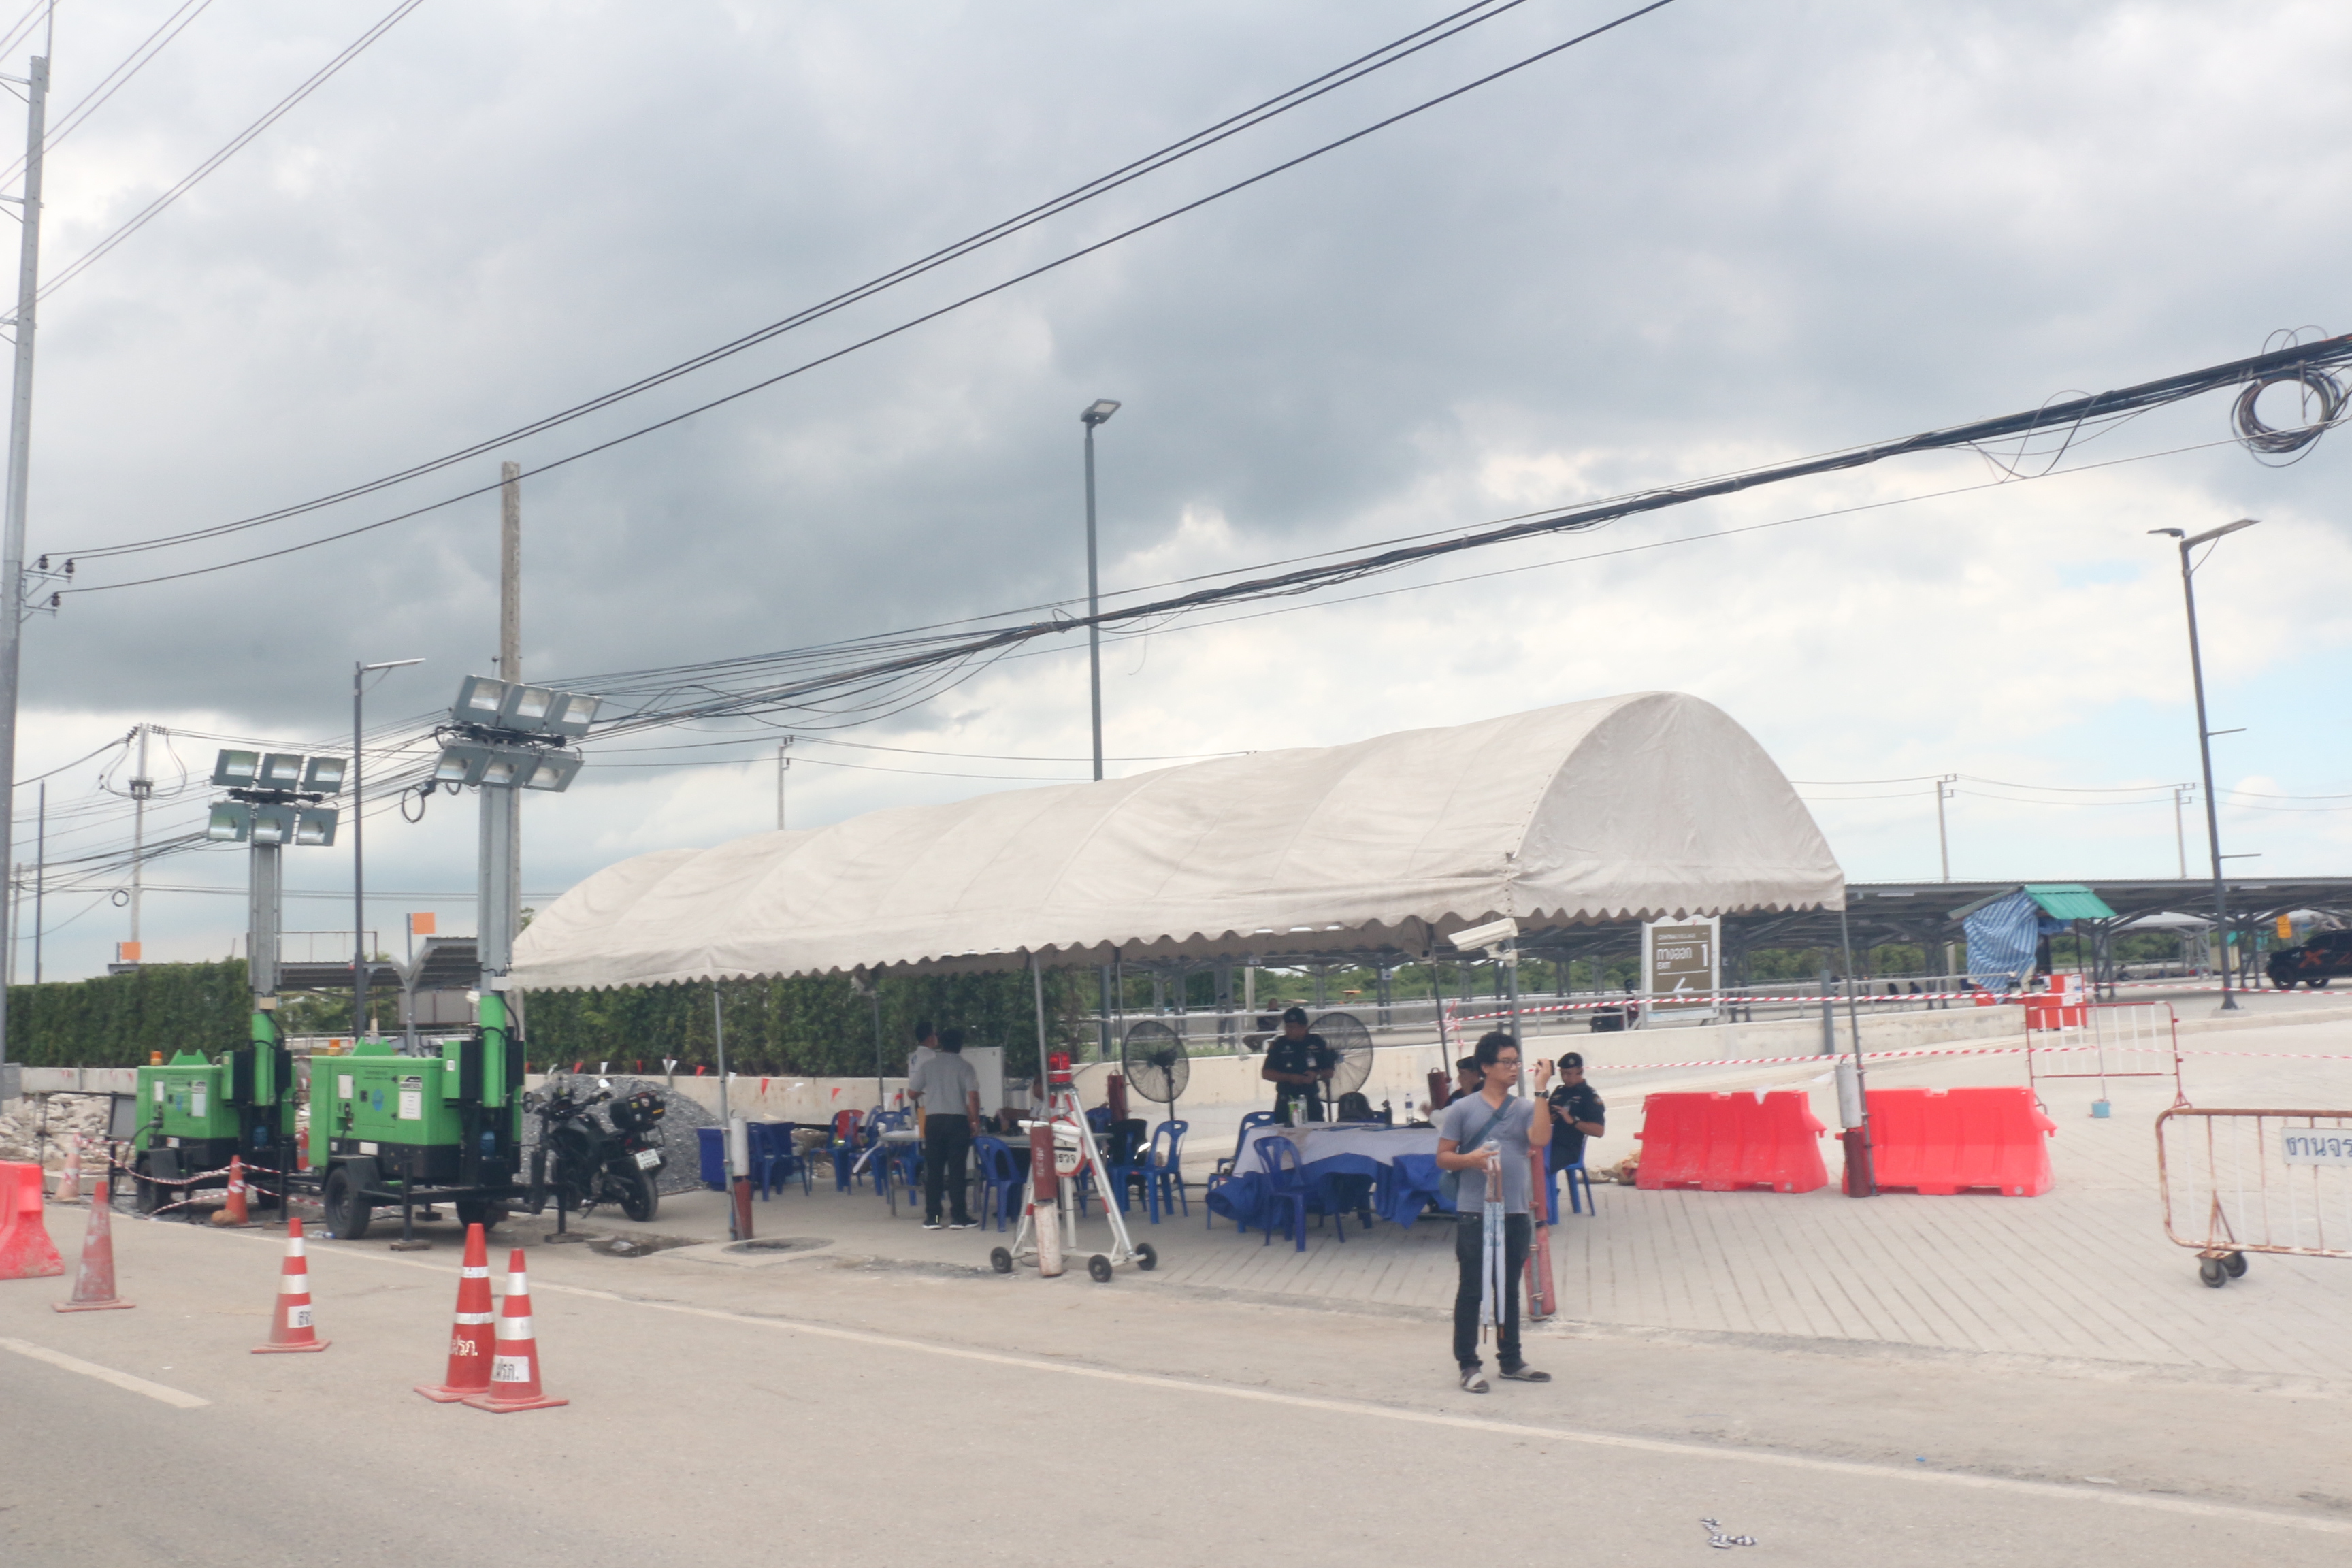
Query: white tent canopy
[1619, 808]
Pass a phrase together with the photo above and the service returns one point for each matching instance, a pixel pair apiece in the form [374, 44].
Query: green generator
[445, 1125]
[195, 1113]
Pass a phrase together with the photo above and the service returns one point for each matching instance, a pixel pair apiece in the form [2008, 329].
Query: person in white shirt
[948, 1089]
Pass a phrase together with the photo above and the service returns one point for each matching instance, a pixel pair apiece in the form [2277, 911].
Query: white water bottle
[1408, 1111]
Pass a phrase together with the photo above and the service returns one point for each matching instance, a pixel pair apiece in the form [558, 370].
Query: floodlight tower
[273, 801]
[505, 736]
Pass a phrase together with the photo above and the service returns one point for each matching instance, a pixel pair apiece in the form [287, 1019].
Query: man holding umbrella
[1483, 1140]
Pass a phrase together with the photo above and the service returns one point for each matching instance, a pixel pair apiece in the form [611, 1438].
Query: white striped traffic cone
[514, 1359]
[470, 1346]
[289, 1322]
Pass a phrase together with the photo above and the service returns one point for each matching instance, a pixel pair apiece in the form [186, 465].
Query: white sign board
[2318, 1146]
[1682, 964]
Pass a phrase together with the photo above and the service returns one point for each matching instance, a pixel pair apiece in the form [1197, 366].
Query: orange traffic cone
[94, 1285]
[514, 1360]
[470, 1338]
[233, 1214]
[289, 1322]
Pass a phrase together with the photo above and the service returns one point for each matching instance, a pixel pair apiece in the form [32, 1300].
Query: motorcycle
[583, 1164]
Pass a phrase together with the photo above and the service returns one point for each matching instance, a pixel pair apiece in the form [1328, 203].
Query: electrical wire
[871, 339]
[114, 81]
[236, 143]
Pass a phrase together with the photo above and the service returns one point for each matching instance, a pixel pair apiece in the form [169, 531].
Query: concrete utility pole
[2180, 793]
[20, 445]
[1943, 843]
[784, 767]
[500, 888]
[143, 789]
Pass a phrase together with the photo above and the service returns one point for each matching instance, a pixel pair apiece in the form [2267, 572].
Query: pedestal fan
[1350, 1045]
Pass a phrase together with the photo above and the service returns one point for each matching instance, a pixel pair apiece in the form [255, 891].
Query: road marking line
[105, 1375]
[1853, 1468]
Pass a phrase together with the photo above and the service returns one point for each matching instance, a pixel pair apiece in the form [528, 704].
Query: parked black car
[2327, 954]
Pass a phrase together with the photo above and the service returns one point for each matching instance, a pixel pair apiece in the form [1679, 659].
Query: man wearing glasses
[1485, 1136]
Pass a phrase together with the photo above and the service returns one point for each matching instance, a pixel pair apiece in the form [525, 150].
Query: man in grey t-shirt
[1485, 1137]
[948, 1089]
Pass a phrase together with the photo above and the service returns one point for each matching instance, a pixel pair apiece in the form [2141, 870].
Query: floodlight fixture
[281, 770]
[526, 707]
[314, 826]
[273, 824]
[324, 775]
[1099, 411]
[231, 821]
[461, 763]
[480, 697]
[507, 769]
[555, 772]
[236, 769]
[574, 713]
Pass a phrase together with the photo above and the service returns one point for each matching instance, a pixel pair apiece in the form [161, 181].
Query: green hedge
[817, 1026]
[115, 1020]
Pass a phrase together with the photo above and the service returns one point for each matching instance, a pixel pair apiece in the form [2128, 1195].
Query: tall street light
[2205, 735]
[360, 673]
[1096, 413]
[1099, 412]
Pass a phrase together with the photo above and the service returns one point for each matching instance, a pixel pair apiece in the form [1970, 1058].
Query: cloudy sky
[1725, 234]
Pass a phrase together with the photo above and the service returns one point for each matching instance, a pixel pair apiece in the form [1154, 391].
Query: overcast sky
[1725, 234]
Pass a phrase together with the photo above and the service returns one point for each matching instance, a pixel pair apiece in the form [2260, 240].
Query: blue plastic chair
[848, 1139]
[1575, 1173]
[1161, 1170]
[774, 1160]
[1287, 1189]
[1224, 1168]
[999, 1177]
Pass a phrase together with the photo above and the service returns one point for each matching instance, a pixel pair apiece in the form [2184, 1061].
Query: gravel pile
[676, 1129]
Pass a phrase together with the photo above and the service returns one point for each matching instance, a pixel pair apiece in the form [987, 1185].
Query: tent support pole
[1037, 995]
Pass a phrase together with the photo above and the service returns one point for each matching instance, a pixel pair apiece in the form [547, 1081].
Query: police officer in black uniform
[1577, 1113]
[1299, 1066]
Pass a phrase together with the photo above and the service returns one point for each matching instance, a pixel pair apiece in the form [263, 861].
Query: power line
[236, 145]
[800, 369]
[114, 81]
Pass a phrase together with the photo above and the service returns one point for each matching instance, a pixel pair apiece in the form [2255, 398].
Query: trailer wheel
[1000, 1259]
[347, 1208]
[482, 1212]
[1146, 1258]
[1098, 1268]
[2235, 1265]
[2209, 1270]
[146, 1196]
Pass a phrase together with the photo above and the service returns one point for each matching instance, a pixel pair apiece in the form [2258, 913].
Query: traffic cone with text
[470, 1336]
[94, 1283]
[290, 1322]
[514, 1358]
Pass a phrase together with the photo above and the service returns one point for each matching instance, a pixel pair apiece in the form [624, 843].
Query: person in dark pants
[948, 1089]
[1485, 1136]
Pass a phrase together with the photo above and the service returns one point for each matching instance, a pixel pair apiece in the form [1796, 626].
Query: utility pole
[1101, 410]
[20, 445]
[143, 789]
[500, 888]
[2180, 793]
[783, 766]
[1944, 792]
[40, 872]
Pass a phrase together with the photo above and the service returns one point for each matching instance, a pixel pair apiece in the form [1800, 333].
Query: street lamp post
[360, 673]
[1096, 413]
[2205, 736]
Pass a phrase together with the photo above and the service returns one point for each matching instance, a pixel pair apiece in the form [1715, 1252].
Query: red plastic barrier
[1723, 1142]
[1939, 1141]
[25, 1250]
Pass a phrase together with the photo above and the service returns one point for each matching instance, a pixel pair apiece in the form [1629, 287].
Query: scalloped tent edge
[1636, 807]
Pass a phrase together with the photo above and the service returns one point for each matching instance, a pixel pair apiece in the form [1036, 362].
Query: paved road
[811, 1410]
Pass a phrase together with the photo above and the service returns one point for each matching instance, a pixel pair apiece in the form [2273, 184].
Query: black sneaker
[963, 1225]
[1474, 1381]
[1525, 1373]
[933, 1224]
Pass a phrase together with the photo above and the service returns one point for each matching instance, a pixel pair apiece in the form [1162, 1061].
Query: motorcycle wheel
[640, 1200]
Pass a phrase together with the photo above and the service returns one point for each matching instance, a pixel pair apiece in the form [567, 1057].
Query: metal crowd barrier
[2108, 1039]
[2255, 1181]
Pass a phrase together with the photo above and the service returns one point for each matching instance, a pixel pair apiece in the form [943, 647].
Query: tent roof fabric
[1617, 808]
